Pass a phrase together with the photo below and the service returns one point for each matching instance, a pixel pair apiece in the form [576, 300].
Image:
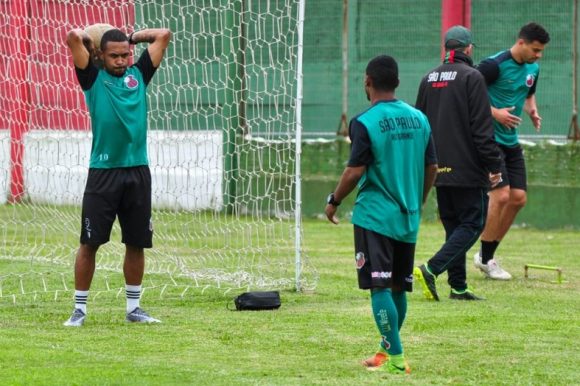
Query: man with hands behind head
[119, 180]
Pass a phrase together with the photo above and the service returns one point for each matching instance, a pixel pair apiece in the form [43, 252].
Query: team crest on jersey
[530, 80]
[131, 82]
[359, 260]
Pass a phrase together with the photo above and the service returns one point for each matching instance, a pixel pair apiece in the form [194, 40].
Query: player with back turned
[512, 78]
[119, 179]
[394, 164]
[454, 98]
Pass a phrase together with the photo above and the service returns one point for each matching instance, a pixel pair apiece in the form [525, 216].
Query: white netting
[221, 144]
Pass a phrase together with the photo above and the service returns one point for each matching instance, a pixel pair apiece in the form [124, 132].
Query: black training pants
[462, 212]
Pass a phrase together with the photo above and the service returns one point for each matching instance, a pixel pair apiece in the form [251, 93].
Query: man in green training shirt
[119, 180]
[393, 162]
[511, 77]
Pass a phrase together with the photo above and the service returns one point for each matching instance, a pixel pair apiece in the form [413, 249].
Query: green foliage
[524, 333]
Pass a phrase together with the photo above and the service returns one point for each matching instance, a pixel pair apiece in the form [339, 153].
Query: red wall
[38, 88]
[55, 100]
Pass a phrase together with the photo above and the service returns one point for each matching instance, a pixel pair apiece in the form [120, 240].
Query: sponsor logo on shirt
[444, 169]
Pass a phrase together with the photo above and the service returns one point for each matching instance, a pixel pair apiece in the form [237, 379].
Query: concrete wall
[186, 168]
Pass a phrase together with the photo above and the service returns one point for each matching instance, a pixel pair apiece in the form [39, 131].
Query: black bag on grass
[256, 301]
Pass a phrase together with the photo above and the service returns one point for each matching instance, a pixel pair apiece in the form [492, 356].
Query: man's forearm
[348, 181]
[430, 176]
[146, 35]
[530, 104]
[494, 112]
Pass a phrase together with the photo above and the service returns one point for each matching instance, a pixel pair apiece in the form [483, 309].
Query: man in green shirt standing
[511, 77]
[119, 180]
[393, 162]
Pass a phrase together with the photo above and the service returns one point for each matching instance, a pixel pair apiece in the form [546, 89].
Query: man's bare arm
[348, 181]
[158, 39]
[79, 44]
[430, 175]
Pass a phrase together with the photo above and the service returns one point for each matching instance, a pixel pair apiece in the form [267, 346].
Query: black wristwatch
[330, 200]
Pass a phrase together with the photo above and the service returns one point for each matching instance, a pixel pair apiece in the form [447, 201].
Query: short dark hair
[384, 73]
[534, 32]
[112, 35]
[454, 45]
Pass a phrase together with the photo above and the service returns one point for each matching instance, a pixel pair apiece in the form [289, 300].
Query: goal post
[224, 146]
[298, 144]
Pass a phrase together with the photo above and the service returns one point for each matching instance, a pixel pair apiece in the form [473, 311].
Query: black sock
[488, 250]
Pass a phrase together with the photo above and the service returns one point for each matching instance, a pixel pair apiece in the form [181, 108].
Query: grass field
[525, 333]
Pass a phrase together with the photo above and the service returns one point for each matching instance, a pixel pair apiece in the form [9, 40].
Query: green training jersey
[390, 195]
[118, 109]
[509, 83]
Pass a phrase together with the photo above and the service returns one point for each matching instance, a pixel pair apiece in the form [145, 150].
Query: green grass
[526, 332]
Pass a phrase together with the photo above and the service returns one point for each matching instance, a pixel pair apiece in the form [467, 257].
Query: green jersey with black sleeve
[509, 83]
[394, 141]
[118, 110]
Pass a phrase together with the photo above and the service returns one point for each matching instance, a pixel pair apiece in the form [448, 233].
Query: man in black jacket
[454, 98]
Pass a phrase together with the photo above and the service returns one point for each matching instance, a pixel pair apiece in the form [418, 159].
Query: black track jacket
[454, 98]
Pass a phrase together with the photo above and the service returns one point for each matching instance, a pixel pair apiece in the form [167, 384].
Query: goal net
[223, 143]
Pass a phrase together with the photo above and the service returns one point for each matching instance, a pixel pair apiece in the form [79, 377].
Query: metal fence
[410, 31]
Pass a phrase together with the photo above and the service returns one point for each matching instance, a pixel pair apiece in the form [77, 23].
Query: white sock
[133, 295]
[81, 300]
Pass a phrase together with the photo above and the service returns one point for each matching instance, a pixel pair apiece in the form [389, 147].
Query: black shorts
[122, 192]
[382, 262]
[513, 170]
